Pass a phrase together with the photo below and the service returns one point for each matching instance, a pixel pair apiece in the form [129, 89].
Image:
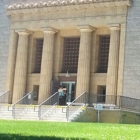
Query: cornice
[31, 7]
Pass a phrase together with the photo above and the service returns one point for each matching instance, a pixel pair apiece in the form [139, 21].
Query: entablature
[63, 5]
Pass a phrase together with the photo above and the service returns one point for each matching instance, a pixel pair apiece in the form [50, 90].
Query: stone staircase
[26, 112]
[5, 113]
[30, 112]
[56, 114]
[59, 114]
[77, 114]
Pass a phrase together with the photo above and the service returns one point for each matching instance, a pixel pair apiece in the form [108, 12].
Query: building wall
[97, 22]
[4, 41]
[97, 79]
[131, 78]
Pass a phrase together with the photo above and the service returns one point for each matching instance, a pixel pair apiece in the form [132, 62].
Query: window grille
[103, 53]
[38, 58]
[70, 54]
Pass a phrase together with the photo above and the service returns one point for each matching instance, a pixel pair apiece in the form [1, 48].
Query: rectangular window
[104, 42]
[38, 57]
[70, 54]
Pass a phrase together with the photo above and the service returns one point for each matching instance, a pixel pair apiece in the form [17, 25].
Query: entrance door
[36, 91]
[102, 94]
[70, 86]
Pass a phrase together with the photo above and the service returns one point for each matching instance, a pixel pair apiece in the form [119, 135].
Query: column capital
[114, 26]
[23, 32]
[86, 28]
[49, 30]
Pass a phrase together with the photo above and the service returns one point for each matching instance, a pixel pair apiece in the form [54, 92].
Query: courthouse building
[79, 44]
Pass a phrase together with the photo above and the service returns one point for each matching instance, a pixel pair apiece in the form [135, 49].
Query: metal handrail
[76, 99]
[47, 99]
[4, 95]
[129, 103]
[13, 105]
[21, 98]
[76, 111]
[103, 99]
[67, 108]
[49, 110]
[120, 102]
[44, 102]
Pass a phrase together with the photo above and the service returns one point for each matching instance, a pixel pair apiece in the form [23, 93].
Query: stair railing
[128, 103]
[76, 105]
[4, 98]
[107, 100]
[115, 102]
[47, 105]
[53, 107]
[26, 99]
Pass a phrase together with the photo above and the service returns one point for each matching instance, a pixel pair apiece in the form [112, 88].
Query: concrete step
[4, 112]
[55, 120]
[56, 114]
[27, 112]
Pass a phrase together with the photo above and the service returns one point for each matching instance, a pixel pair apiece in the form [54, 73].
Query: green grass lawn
[41, 130]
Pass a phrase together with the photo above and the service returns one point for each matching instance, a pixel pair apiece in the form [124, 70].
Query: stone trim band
[65, 3]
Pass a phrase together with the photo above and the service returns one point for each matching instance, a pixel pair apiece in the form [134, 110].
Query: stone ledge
[59, 4]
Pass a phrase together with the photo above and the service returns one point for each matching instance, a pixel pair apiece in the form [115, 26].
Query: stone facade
[131, 79]
[59, 19]
[4, 42]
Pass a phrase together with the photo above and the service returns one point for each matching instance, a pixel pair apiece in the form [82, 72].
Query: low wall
[110, 116]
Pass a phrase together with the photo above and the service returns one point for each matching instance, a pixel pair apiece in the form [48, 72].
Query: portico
[46, 41]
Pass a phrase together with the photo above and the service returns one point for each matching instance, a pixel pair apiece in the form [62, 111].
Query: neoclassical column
[21, 66]
[83, 74]
[11, 63]
[46, 65]
[112, 72]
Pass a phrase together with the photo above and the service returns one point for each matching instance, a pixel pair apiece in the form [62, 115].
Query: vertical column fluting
[112, 72]
[11, 63]
[46, 66]
[21, 67]
[83, 74]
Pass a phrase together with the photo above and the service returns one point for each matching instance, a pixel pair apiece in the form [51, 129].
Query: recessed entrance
[102, 93]
[70, 86]
[36, 91]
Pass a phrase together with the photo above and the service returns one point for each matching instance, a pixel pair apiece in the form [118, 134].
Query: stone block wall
[131, 78]
[4, 41]
[109, 116]
[4, 38]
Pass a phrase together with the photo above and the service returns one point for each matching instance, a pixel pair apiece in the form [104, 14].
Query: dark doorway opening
[36, 93]
[101, 94]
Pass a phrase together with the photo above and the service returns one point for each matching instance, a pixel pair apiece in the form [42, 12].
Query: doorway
[70, 86]
[36, 91]
[101, 94]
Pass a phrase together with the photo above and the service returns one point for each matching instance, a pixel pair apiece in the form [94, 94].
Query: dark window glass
[38, 58]
[103, 53]
[70, 55]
